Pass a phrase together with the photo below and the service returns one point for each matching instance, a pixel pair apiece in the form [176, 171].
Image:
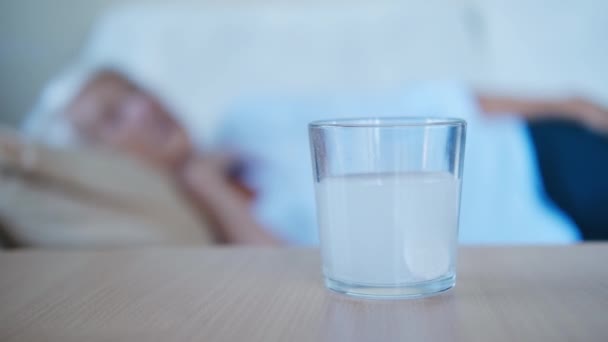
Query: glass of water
[388, 201]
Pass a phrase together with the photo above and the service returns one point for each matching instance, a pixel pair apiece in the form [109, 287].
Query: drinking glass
[388, 202]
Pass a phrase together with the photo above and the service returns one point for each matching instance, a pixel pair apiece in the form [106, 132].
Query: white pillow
[549, 46]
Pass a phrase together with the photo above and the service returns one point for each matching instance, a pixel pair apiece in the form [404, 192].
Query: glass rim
[379, 122]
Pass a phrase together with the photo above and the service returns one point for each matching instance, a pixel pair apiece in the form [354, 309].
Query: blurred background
[540, 45]
[203, 59]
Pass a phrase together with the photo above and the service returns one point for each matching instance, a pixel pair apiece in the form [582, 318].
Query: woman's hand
[223, 200]
[587, 113]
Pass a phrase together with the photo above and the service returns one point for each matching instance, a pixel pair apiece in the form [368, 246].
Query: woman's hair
[46, 122]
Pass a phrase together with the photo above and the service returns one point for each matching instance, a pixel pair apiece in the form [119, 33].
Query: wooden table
[248, 294]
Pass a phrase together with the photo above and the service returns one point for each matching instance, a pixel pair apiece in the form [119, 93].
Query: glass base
[405, 291]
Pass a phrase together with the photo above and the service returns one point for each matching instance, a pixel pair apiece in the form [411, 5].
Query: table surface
[255, 294]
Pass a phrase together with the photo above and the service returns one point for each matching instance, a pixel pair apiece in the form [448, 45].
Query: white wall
[36, 39]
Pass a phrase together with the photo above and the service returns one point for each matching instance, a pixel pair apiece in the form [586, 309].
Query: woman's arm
[577, 109]
[226, 205]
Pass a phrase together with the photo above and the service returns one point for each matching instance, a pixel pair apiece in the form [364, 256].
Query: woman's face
[111, 111]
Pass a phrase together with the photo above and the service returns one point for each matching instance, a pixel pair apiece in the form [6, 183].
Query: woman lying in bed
[112, 112]
[76, 197]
